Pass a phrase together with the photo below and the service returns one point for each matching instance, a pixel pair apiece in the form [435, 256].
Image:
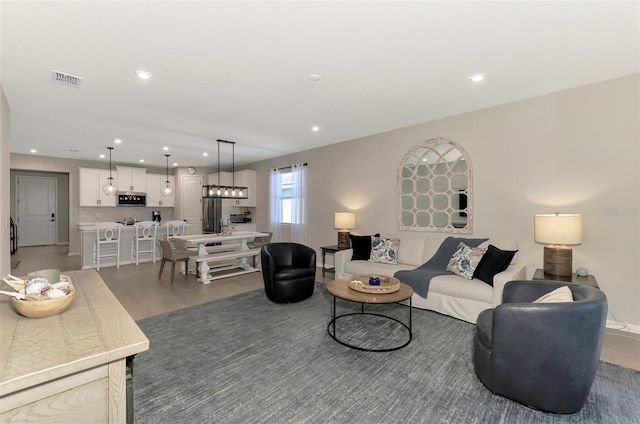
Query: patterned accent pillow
[465, 260]
[384, 251]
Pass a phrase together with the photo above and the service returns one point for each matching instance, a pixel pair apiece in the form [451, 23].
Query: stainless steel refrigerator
[211, 215]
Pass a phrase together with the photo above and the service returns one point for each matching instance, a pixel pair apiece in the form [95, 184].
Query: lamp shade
[344, 220]
[558, 228]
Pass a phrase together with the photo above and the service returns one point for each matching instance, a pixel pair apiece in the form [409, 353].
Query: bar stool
[176, 228]
[109, 239]
[144, 240]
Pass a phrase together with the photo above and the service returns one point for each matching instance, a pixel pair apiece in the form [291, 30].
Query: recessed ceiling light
[205, 154]
[476, 77]
[165, 148]
[101, 156]
[33, 151]
[117, 140]
[314, 77]
[141, 160]
[315, 128]
[175, 163]
[143, 74]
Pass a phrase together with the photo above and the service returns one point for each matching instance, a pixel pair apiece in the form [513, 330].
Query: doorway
[37, 210]
[191, 202]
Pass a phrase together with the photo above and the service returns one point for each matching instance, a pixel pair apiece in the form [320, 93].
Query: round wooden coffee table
[340, 289]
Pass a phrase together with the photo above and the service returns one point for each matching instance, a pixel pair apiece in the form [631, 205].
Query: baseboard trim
[623, 326]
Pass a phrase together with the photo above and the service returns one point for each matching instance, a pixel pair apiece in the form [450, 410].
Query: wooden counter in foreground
[71, 367]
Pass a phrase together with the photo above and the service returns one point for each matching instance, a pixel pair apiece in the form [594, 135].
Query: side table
[574, 278]
[330, 250]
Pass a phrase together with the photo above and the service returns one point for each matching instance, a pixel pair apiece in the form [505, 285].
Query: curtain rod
[287, 167]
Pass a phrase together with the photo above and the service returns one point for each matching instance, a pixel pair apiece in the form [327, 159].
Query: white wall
[572, 151]
[5, 251]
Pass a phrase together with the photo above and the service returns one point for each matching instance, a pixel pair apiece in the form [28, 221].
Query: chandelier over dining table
[226, 191]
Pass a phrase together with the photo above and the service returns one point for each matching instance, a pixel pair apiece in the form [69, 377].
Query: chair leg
[161, 268]
[173, 271]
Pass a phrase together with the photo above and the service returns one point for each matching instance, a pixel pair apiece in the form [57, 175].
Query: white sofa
[448, 294]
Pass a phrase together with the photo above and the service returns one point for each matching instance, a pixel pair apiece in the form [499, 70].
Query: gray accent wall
[574, 151]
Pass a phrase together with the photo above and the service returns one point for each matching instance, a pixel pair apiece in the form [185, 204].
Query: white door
[191, 199]
[36, 211]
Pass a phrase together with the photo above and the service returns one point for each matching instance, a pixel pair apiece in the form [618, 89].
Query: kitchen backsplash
[119, 214]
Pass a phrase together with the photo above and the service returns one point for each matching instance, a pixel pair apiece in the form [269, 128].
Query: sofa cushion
[361, 246]
[384, 250]
[367, 267]
[465, 259]
[411, 250]
[455, 286]
[493, 262]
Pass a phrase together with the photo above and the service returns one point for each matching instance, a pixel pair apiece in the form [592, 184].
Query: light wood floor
[143, 295]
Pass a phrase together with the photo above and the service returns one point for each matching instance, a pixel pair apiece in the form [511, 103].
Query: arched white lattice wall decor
[435, 191]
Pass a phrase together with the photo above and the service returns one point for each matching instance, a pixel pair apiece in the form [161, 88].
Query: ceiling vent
[66, 79]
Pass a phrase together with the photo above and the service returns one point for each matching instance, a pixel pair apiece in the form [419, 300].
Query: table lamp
[558, 230]
[344, 221]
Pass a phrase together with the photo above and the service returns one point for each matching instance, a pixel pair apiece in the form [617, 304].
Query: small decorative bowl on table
[48, 307]
[362, 284]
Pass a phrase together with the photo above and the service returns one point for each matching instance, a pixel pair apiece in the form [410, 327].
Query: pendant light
[110, 188]
[226, 192]
[167, 190]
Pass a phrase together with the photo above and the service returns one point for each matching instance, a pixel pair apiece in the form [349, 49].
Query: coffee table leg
[410, 327]
[334, 316]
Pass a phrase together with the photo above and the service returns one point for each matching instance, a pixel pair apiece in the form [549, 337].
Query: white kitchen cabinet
[245, 178]
[91, 182]
[155, 184]
[132, 179]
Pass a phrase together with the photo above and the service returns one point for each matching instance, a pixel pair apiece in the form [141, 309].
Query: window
[285, 198]
[287, 207]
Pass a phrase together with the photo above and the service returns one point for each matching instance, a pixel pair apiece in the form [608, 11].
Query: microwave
[239, 218]
[131, 199]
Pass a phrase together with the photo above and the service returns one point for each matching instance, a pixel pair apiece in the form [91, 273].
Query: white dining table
[221, 248]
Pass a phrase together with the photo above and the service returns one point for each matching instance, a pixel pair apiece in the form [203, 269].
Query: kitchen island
[74, 367]
[87, 245]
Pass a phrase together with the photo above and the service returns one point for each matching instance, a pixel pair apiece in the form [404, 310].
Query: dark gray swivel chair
[288, 271]
[542, 355]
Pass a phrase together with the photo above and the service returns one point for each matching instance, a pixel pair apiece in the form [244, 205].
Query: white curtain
[299, 203]
[275, 203]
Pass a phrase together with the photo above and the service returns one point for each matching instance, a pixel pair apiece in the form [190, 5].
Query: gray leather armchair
[542, 355]
[288, 271]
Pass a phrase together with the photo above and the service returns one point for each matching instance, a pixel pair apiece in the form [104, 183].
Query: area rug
[246, 360]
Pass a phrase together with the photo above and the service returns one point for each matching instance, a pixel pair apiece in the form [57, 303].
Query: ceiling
[241, 70]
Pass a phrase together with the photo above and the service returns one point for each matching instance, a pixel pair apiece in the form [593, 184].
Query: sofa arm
[340, 258]
[515, 271]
